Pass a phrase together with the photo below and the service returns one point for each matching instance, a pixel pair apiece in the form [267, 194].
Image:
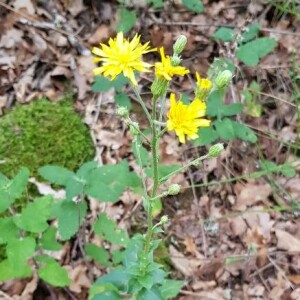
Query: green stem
[141, 102]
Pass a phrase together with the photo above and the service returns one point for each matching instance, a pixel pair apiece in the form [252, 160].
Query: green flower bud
[175, 60]
[164, 219]
[174, 189]
[179, 44]
[215, 150]
[223, 79]
[159, 87]
[122, 111]
[134, 128]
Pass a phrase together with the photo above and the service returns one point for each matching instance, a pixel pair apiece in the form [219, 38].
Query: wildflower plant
[139, 276]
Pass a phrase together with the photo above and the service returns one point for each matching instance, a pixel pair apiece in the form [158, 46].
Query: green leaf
[156, 3]
[127, 20]
[224, 34]
[101, 84]
[118, 277]
[99, 254]
[18, 183]
[119, 82]
[288, 171]
[194, 5]
[251, 52]
[106, 291]
[144, 156]
[150, 294]
[55, 174]
[68, 218]
[8, 230]
[107, 229]
[251, 32]
[40, 209]
[225, 129]
[8, 270]
[232, 109]
[48, 240]
[285, 169]
[74, 187]
[171, 288]
[54, 274]
[243, 132]
[157, 207]
[207, 135]
[123, 100]
[86, 168]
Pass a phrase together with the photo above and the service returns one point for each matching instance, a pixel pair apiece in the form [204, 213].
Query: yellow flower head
[203, 83]
[164, 69]
[121, 56]
[186, 119]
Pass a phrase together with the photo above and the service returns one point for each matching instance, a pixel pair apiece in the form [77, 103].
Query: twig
[5, 295]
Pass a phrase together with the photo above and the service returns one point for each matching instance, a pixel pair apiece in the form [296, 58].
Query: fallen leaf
[286, 241]
[24, 4]
[102, 34]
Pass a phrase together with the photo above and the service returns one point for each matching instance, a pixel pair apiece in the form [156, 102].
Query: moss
[41, 133]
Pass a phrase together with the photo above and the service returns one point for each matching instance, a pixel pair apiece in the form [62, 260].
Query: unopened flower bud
[179, 44]
[223, 79]
[175, 60]
[215, 150]
[122, 111]
[134, 128]
[174, 189]
[159, 87]
[164, 219]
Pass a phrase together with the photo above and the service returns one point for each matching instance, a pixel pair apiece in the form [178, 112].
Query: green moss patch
[41, 133]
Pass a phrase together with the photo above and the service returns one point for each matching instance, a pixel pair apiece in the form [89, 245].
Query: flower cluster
[122, 56]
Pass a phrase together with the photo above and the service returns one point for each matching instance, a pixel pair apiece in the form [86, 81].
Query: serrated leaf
[101, 84]
[127, 20]
[194, 5]
[232, 109]
[108, 230]
[40, 209]
[8, 230]
[214, 104]
[75, 187]
[224, 34]
[123, 100]
[251, 52]
[54, 274]
[99, 254]
[119, 82]
[171, 288]
[18, 183]
[68, 218]
[225, 129]
[250, 33]
[55, 174]
[207, 135]
[48, 240]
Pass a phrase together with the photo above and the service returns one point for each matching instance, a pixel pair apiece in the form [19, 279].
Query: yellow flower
[122, 56]
[203, 83]
[164, 69]
[186, 119]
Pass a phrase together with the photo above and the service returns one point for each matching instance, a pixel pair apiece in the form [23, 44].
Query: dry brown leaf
[102, 34]
[75, 7]
[24, 4]
[295, 295]
[79, 278]
[190, 246]
[11, 38]
[238, 226]
[294, 278]
[286, 241]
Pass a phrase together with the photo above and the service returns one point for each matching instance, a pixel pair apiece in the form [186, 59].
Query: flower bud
[175, 60]
[122, 111]
[164, 219]
[203, 87]
[174, 189]
[159, 87]
[134, 128]
[179, 44]
[223, 79]
[215, 150]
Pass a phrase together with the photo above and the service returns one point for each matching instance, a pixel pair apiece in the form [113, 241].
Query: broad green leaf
[220, 64]
[144, 156]
[288, 171]
[99, 254]
[101, 84]
[123, 100]
[231, 109]
[75, 187]
[194, 5]
[117, 256]
[251, 52]
[68, 218]
[225, 129]
[105, 291]
[54, 274]
[127, 20]
[8, 230]
[150, 294]
[214, 104]
[284, 169]
[171, 288]
[40, 209]
[107, 229]
[207, 135]
[118, 277]
[243, 132]
[156, 207]
[163, 170]
[119, 82]
[48, 240]
[251, 32]
[18, 183]
[55, 174]
[224, 34]
[86, 168]
[8, 270]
